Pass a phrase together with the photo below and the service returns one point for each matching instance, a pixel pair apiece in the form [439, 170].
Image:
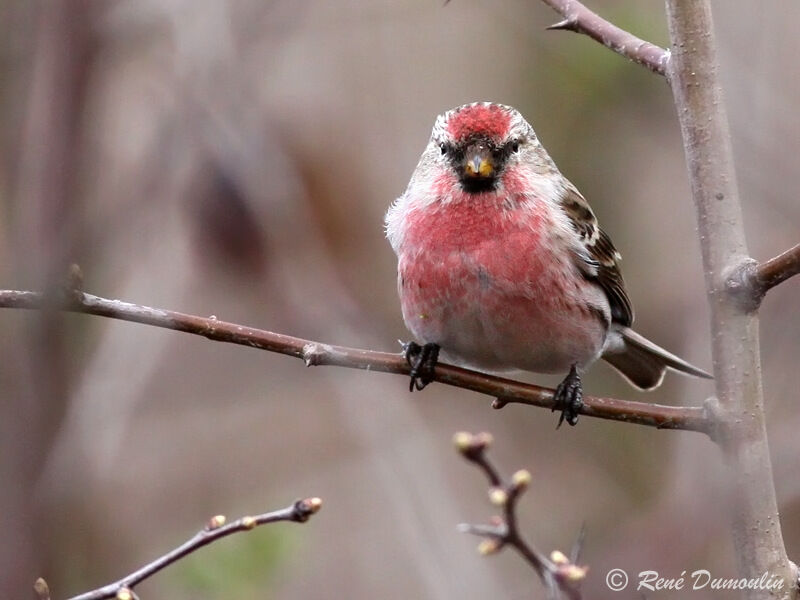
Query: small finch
[502, 266]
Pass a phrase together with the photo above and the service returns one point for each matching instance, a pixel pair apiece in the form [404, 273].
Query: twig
[740, 423]
[505, 391]
[777, 270]
[557, 572]
[122, 589]
[580, 19]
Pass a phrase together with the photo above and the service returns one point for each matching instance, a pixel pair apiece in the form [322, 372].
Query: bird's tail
[643, 363]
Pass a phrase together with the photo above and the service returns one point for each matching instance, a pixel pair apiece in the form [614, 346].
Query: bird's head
[480, 142]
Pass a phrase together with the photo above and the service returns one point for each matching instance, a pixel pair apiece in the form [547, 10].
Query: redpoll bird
[501, 263]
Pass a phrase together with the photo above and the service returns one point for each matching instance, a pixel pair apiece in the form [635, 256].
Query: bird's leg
[569, 397]
[422, 360]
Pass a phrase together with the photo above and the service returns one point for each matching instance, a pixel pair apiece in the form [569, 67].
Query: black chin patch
[477, 185]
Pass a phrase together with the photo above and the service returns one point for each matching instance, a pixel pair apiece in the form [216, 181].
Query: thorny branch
[505, 391]
[580, 19]
[558, 573]
[122, 589]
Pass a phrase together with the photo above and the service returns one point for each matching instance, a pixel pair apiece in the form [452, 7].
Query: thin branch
[505, 391]
[557, 572]
[122, 589]
[777, 270]
[580, 19]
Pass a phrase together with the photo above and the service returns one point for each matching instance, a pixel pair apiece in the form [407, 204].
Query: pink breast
[476, 231]
[455, 251]
[481, 276]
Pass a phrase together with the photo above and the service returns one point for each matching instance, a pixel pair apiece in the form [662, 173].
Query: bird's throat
[478, 185]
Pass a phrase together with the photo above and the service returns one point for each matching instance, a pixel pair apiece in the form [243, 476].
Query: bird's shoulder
[597, 258]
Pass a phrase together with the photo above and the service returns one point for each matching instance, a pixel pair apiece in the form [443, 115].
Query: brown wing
[600, 261]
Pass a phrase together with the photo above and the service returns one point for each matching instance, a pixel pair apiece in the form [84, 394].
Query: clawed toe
[422, 360]
[569, 398]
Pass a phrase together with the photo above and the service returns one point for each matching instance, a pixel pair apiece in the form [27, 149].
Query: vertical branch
[740, 428]
[34, 370]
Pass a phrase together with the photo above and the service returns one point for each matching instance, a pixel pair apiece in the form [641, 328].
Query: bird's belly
[487, 312]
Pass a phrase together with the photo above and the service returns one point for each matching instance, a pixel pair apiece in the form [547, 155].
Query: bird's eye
[443, 148]
[514, 146]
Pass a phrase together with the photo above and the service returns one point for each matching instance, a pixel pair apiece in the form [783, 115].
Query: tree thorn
[567, 24]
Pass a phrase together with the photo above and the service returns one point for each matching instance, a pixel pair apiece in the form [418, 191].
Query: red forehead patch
[479, 119]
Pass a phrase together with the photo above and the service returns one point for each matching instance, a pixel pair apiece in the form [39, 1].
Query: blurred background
[236, 158]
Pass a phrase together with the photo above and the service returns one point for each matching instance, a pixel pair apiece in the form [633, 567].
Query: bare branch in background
[43, 229]
[505, 391]
[122, 589]
[558, 573]
[580, 19]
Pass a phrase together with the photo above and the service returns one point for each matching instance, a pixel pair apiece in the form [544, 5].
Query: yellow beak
[478, 166]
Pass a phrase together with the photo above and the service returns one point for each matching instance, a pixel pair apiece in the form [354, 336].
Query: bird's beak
[478, 165]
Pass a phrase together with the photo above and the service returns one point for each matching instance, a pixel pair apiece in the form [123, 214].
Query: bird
[502, 264]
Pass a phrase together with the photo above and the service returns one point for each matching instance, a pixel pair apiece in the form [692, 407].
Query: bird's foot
[422, 360]
[569, 398]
